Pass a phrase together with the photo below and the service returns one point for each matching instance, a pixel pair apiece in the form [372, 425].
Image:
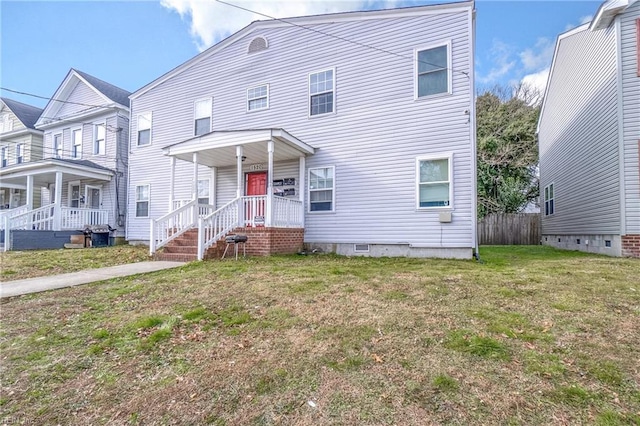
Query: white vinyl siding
[76, 143]
[143, 196]
[144, 129]
[258, 98]
[433, 70]
[434, 182]
[322, 92]
[99, 138]
[202, 116]
[322, 189]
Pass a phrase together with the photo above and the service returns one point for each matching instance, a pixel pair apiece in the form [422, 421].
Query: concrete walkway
[35, 285]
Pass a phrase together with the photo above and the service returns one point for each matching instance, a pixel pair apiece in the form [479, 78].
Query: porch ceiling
[44, 172]
[218, 148]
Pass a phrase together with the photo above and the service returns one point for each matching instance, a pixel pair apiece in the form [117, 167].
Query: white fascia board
[46, 166]
[18, 133]
[307, 20]
[607, 12]
[105, 110]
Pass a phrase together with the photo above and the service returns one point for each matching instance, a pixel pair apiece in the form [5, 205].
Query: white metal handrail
[77, 218]
[287, 213]
[215, 226]
[172, 225]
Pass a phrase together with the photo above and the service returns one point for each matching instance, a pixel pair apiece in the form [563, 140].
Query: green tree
[507, 149]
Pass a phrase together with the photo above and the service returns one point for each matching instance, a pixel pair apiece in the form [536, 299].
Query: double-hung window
[322, 189]
[433, 180]
[6, 123]
[433, 71]
[202, 116]
[76, 143]
[74, 194]
[144, 129]
[99, 137]
[258, 98]
[57, 145]
[549, 205]
[19, 153]
[142, 200]
[203, 191]
[4, 156]
[322, 92]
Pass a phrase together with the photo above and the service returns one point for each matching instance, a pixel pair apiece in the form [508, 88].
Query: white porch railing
[14, 212]
[75, 218]
[172, 225]
[216, 225]
[287, 213]
[255, 210]
[40, 219]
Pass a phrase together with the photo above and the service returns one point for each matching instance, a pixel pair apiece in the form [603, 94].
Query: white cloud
[539, 56]
[501, 57]
[211, 21]
[586, 19]
[537, 82]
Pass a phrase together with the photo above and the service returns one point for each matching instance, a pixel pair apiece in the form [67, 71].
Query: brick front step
[175, 257]
[190, 249]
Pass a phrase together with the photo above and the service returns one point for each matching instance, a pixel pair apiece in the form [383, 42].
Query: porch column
[269, 212]
[57, 212]
[240, 186]
[213, 189]
[30, 192]
[194, 191]
[301, 187]
[172, 183]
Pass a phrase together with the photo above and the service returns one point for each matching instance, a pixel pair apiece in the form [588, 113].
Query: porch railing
[255, 210]
[75, 218]
[287, 213]
[14, 212]
[40, 219]
[216, 225]
[172, 225]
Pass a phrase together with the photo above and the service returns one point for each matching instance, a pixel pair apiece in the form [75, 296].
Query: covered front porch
[53, 195]
[259, 201]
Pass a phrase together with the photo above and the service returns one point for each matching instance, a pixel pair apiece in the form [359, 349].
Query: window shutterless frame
[143, 197]
[76, 143]
[57, 145]
[434, 182]
[202, 113]
[143, 129]
[432, 72]
[549, 200]
[258, 97]
[321, 183]
[322, 92]
[99, 138]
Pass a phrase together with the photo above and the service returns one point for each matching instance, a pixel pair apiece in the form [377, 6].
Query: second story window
[258, 98]
[432, 71]
[321, 92]
[99, 137]
[76, 143]
[6, 123]
[202, 116]
[19, 153]
[144, 129]
[4, 156]
[57, 145]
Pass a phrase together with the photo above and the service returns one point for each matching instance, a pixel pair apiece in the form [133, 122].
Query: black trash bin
[100, 235]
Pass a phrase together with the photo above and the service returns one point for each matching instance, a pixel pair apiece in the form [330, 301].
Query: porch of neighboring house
[54, 199]
[262, 209]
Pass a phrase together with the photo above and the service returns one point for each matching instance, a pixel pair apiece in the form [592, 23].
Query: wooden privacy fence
[509, 229]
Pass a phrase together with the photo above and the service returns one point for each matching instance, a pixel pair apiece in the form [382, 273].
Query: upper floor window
[99, 137]
[19, 153]
[202, 116]
[321, 189]
[433, 180]
[6, 123]
[433, 74]
[549, 204]
[258, 98]
[4, 156]
[57, 145]
[144, 129]
[76, 143]
[321, 92]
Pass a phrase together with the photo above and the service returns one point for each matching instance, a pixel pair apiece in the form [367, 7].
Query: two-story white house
[351, 133]
[81, 178]
[589, 136]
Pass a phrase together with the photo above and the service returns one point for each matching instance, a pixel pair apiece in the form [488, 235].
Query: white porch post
[269, 212]
[213, 189]
[240, 186]
[194, 191]
[30, 192]
[301, 185]
[57, 212]
[172, 183]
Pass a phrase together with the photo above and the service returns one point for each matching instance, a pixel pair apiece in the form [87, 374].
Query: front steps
[185, 249]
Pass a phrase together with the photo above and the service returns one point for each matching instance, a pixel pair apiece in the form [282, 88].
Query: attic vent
[258, 44]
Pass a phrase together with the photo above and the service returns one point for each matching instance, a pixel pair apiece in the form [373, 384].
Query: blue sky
[130, 43]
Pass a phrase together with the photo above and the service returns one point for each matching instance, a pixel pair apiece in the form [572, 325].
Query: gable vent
[258, 44]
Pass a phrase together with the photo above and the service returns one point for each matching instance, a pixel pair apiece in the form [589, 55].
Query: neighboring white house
[81, 176]
[589, 136]
[358, 128]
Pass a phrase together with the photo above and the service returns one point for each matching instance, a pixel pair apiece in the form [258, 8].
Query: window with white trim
[76, 143]
[144, 129]
[6, 123]
[203, 191]
[549, 204]
[4, 156]
[142, 200]
[202, 116]
[19, 153]
[322, 189]
[258, 98]
[74, 194]
[433, 180]
[57, 145]
[321, 92]
[99, 138]
[433, 74]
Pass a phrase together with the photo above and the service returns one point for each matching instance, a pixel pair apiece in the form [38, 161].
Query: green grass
[530, 335]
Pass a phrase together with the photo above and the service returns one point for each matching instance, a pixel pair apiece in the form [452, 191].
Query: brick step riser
[181, 249]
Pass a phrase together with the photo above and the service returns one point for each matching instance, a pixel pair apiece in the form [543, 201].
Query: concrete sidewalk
[35, 285]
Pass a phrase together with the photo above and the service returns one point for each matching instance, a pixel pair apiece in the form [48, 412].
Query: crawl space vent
[361, 247]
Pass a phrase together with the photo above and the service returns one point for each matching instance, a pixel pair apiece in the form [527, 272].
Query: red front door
[255, 208]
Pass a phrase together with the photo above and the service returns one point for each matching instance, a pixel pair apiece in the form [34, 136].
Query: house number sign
[256, 167]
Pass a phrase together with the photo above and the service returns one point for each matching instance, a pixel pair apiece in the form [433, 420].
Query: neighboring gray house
[80, 178]
[350, 132]
[589, 135]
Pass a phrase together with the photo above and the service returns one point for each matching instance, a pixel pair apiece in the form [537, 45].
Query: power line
[56, 100]
[357, 43]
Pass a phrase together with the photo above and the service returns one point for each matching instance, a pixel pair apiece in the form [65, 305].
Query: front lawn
[530, 336]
